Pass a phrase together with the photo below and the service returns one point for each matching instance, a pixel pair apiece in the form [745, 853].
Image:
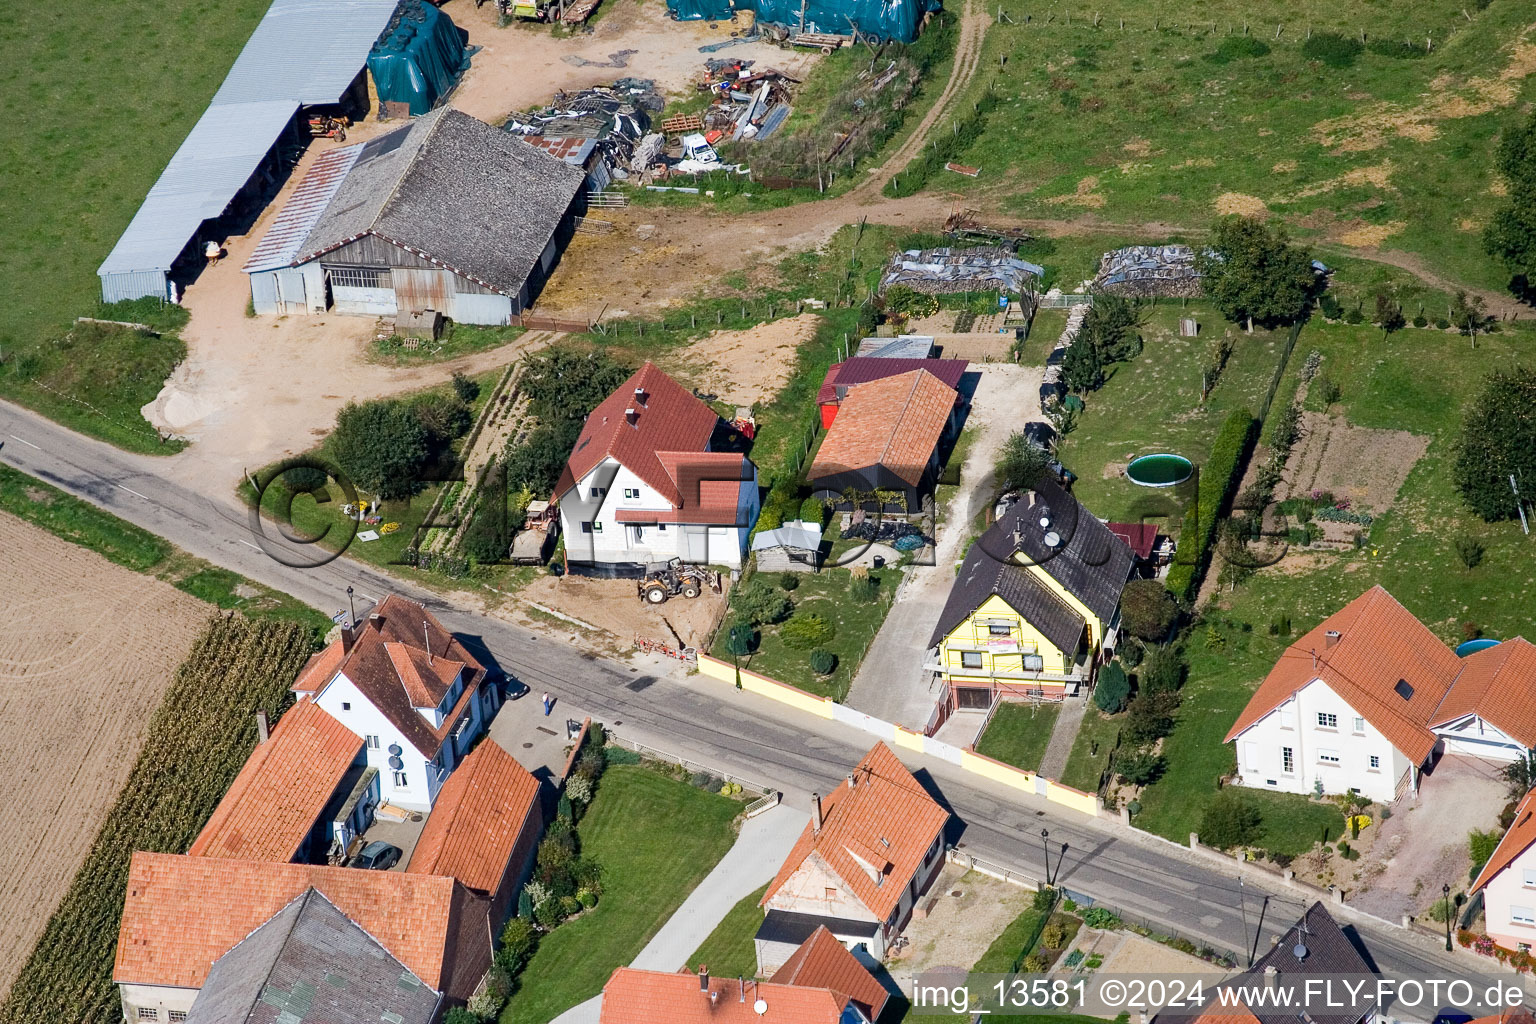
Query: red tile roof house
[886, 437]
[304, 793]
[484, 829]
[821, 983]
[407, 686]
[181, 914]
[642, 484]
[873, 847]
[843, 377]
[1508, 882]
[1371, 696]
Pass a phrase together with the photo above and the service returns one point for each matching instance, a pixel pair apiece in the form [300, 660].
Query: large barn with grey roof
[447, 214]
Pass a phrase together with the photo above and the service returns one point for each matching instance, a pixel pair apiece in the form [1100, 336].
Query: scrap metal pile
[616, 117]
[946, 270]
[1148, 270]
[745, 104]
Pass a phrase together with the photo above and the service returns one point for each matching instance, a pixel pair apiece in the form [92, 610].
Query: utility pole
[1242, 901]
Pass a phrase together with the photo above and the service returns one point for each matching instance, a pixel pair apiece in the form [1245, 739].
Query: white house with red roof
[642, 484]
[407, 686]
[1368, 698]
[873, 847]
[1508, 881]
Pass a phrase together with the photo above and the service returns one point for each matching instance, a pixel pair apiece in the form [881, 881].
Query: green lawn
[1018, 734]
[1010, 945]
[1133, 115]
[73, 174]
[457, 340]
[825, 594]
[729, 950]
[1091, 749]
[656, 839]
[1419, 381]
[1152, 404]
[132, 547]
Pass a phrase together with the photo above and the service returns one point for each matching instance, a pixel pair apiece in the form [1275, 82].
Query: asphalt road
[727, 730]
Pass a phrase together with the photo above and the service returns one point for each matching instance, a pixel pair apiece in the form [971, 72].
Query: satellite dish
[760, 1007]
[395, 749]
[1299, 951]
[1052, 539]
[395, 763]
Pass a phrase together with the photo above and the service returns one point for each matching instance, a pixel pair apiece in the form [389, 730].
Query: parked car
[377, 856]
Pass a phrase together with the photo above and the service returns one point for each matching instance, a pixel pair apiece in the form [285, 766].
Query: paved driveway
[891, 684]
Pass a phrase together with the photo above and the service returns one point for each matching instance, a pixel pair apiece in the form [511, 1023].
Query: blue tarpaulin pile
[877, 20]
[418, 57]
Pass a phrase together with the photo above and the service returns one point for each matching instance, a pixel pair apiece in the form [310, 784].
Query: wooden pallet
[579, 11]
[680, 123]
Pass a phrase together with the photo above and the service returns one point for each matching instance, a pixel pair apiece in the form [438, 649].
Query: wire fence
[1274, 383]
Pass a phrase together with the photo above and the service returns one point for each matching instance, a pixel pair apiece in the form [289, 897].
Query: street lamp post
[1045, 841]
[1446, 889]
[1243, 905]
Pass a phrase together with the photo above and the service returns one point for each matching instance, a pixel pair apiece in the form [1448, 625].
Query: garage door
[973, 697]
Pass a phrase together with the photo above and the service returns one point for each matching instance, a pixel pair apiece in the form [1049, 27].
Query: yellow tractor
[668, 579]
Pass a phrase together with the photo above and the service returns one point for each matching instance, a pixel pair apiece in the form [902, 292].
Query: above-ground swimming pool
[1473, 646]
[1159, 470]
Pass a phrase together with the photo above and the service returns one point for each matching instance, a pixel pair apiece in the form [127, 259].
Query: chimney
[815, 813]
[1271, 976]
[851, 783]
[1330, 638]
[261, 725]
[640, 397]
[703, 978]
[631, 416]
[741, 984]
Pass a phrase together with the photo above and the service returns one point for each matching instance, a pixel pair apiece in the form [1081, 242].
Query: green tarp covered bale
[877, 20]
[418, 57]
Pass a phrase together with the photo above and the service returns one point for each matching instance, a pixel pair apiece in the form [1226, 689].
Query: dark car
[377, 856]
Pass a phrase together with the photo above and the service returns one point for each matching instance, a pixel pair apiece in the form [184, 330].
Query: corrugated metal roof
[215, 161]
[307, 50]
[280, 245]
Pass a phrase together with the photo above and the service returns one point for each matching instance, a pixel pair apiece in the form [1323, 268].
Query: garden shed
[446, 214]
[793, 547]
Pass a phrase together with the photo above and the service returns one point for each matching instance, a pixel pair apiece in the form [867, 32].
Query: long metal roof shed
[303, 53]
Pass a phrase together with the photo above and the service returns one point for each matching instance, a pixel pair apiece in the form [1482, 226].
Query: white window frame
[1522, 915]
[965, 659]
[176, 1016]
[1529, 878]
[149, 1013]
[1287, 718]
[1327, 720]
[1287, 761]
[371, 742]
[1328, 757]
[402, 781]
[1373, 763]
[1359, 725]
[999, 629]
[631, 492]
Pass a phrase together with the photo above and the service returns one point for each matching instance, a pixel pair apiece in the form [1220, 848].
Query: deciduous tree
[382, 446]
[1498, 439]
[1254, 274]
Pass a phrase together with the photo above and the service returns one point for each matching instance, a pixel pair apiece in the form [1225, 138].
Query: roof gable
[1518, 839]
[852, 372]
[881, 808]
[658, 997]
[309, 964]
[1363, 652]
[475, 824]
[182, 913]
[1498, 684]
[822, 961]
[668, 419]
[451, 188]
[983, 575]
[896, 422]
[282, 789]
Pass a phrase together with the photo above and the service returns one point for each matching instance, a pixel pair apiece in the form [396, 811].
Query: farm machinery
[663, 580]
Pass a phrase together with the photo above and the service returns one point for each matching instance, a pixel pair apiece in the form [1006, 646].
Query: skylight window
[1403, 689]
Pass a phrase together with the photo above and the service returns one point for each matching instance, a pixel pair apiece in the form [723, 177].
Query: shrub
[1147, 609]
[788, 581]
[1470, 551]
[1150, 717]
[519, 938]
[548, 914]
[741, 639]
[806, 631]
[705, 780]
[1471, 630]
[1327, 391]
[1481, 846]
[485, 1004]
[1441, 323]
[1131, 651]
[556, 852]
[1332, 49]
[1139, 767]
[382, 446]
[1054, 936]
[460, 1015]
[1099, 918]
[466, 388]
[768, 519]
[593, 759]
[578, 789]
[1218, 479]
[812, 510]
[823, 662]
[1044, 899]
[1074, 958]
[587, 898]
[1112, 690]
[622, 755]
[863, 587]
[1355, 316]
[1036, 963]
[762, 604]
[563, 808]
[1236, 48]
[1421, 321]
[570, 905]
[1164, 670]
[1231, 819]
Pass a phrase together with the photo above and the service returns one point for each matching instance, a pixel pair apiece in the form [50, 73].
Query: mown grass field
[1019, 733]
[1163, 122]
[73, 171]
[729, 951]
[1419, 381]
[656, 838]
[825, 594]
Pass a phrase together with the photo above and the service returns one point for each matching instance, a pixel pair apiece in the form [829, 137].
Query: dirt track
[87, 648]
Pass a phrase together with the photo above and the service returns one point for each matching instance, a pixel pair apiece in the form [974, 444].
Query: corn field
[198, 738]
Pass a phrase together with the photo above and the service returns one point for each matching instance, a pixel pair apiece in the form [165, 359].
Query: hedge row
[1218, 481]
[199, 737]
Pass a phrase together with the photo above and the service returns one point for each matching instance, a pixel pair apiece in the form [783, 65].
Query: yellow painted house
[1035, 605]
